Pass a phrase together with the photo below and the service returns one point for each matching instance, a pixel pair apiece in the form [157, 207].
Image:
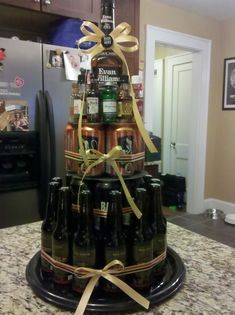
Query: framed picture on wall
[229, 84]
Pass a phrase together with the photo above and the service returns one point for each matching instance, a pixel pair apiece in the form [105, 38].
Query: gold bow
[108, 273]
[110, 156]
[119, 35]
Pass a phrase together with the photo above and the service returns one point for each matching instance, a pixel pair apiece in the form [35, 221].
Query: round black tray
[103, 302]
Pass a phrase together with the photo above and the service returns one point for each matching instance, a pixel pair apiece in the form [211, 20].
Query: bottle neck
[63, 209]
[107, 17]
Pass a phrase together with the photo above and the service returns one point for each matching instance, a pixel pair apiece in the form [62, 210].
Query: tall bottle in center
[107, 66]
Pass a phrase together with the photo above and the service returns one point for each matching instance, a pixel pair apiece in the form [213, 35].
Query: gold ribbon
[110, 156]
[119, 35]
[108, 273]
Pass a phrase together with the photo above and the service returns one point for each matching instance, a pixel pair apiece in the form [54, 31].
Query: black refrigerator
[34, 86]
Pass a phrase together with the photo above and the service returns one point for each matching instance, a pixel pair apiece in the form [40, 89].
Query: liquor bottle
[107, 66]
[84, 244]
[115, 245]
[142, 243]
[108, 99]
[81, 95]
[47, 227]
[124, 100]
[93, 101]
[73, 102]
[60, 241]
[157, 220]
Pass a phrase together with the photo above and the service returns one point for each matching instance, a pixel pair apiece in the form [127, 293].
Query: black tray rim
[125, 304]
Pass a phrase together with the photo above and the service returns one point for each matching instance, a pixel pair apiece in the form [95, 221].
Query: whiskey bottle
[84, 244]
[115, 245]
[107, 66]
[73, 102]
[93, 102]
[124, 101]
[48, 226]
[80, 97]
[142, 243]
[60, 241]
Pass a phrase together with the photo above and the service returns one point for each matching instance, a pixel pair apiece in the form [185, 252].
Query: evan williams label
[108, 75]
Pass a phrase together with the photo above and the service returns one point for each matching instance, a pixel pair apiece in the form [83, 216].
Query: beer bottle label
[60, 252]
[109, 106]
[92, 105]
[82, 258]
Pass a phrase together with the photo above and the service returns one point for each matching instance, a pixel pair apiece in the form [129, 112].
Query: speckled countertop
[209, 286]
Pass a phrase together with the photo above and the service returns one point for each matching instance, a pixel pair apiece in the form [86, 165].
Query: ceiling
[218, 9]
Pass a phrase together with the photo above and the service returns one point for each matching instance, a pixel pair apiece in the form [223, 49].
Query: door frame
[201, 49]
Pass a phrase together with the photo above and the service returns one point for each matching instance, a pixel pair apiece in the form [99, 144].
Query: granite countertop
[209, 286]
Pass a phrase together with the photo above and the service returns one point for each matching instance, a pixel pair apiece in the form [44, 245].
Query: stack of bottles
[82, 239]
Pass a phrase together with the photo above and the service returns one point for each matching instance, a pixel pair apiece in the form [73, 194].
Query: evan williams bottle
[107, 66]
[115, 247]
[84, 245]
[48, 226]
[60, 241]
[142, 243]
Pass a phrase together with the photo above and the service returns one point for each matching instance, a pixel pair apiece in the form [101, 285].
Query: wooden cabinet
[83, 9]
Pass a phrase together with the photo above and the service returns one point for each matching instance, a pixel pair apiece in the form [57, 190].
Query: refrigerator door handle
[41, 126]
[51, 133]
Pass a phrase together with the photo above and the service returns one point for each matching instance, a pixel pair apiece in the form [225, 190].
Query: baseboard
[226, 207]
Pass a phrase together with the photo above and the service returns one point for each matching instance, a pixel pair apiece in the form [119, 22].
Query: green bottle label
[109, 106]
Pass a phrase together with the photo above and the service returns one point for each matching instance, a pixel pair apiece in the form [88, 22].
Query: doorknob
[172, 145]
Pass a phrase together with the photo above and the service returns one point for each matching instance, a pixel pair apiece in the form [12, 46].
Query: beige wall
[220, 163]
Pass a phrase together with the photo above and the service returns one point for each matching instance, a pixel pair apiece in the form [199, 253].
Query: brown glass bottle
[115, 245]
[60, 241]
[93, 114]
[47, 227]
[142, 243]
[107, 66]
[84, 254]
[124, 101]
[60, 181]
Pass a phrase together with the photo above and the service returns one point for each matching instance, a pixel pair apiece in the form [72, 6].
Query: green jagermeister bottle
[158, 224]
[60, 241]
[142, 243]
[108, 100]
[84, 254]
[47, 227]
[115, 245]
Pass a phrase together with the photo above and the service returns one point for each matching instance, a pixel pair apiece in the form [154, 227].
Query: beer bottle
[157, 220]
[124, 100]
[48, 226]
[60, 181]
[115, 246]
[108, 99]
[68, 179]
[84, 244]
[60, 241]
[107, 66]
[142, 243]
[93, 102]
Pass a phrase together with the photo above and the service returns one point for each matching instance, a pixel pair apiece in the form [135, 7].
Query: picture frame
[229, 84]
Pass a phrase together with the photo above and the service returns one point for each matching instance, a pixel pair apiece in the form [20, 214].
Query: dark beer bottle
[115, 246]
[68, 179]
[60, 240]
[142, 243]
[84, 254]
[47, 227]
[157, 220]
[60, 181]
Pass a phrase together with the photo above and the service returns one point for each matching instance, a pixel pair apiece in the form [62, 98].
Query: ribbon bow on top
[119, 35]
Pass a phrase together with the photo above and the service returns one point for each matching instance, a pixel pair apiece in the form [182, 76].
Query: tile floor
[215, 229]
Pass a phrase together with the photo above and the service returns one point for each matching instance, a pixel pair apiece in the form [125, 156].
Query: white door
[177, 107]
